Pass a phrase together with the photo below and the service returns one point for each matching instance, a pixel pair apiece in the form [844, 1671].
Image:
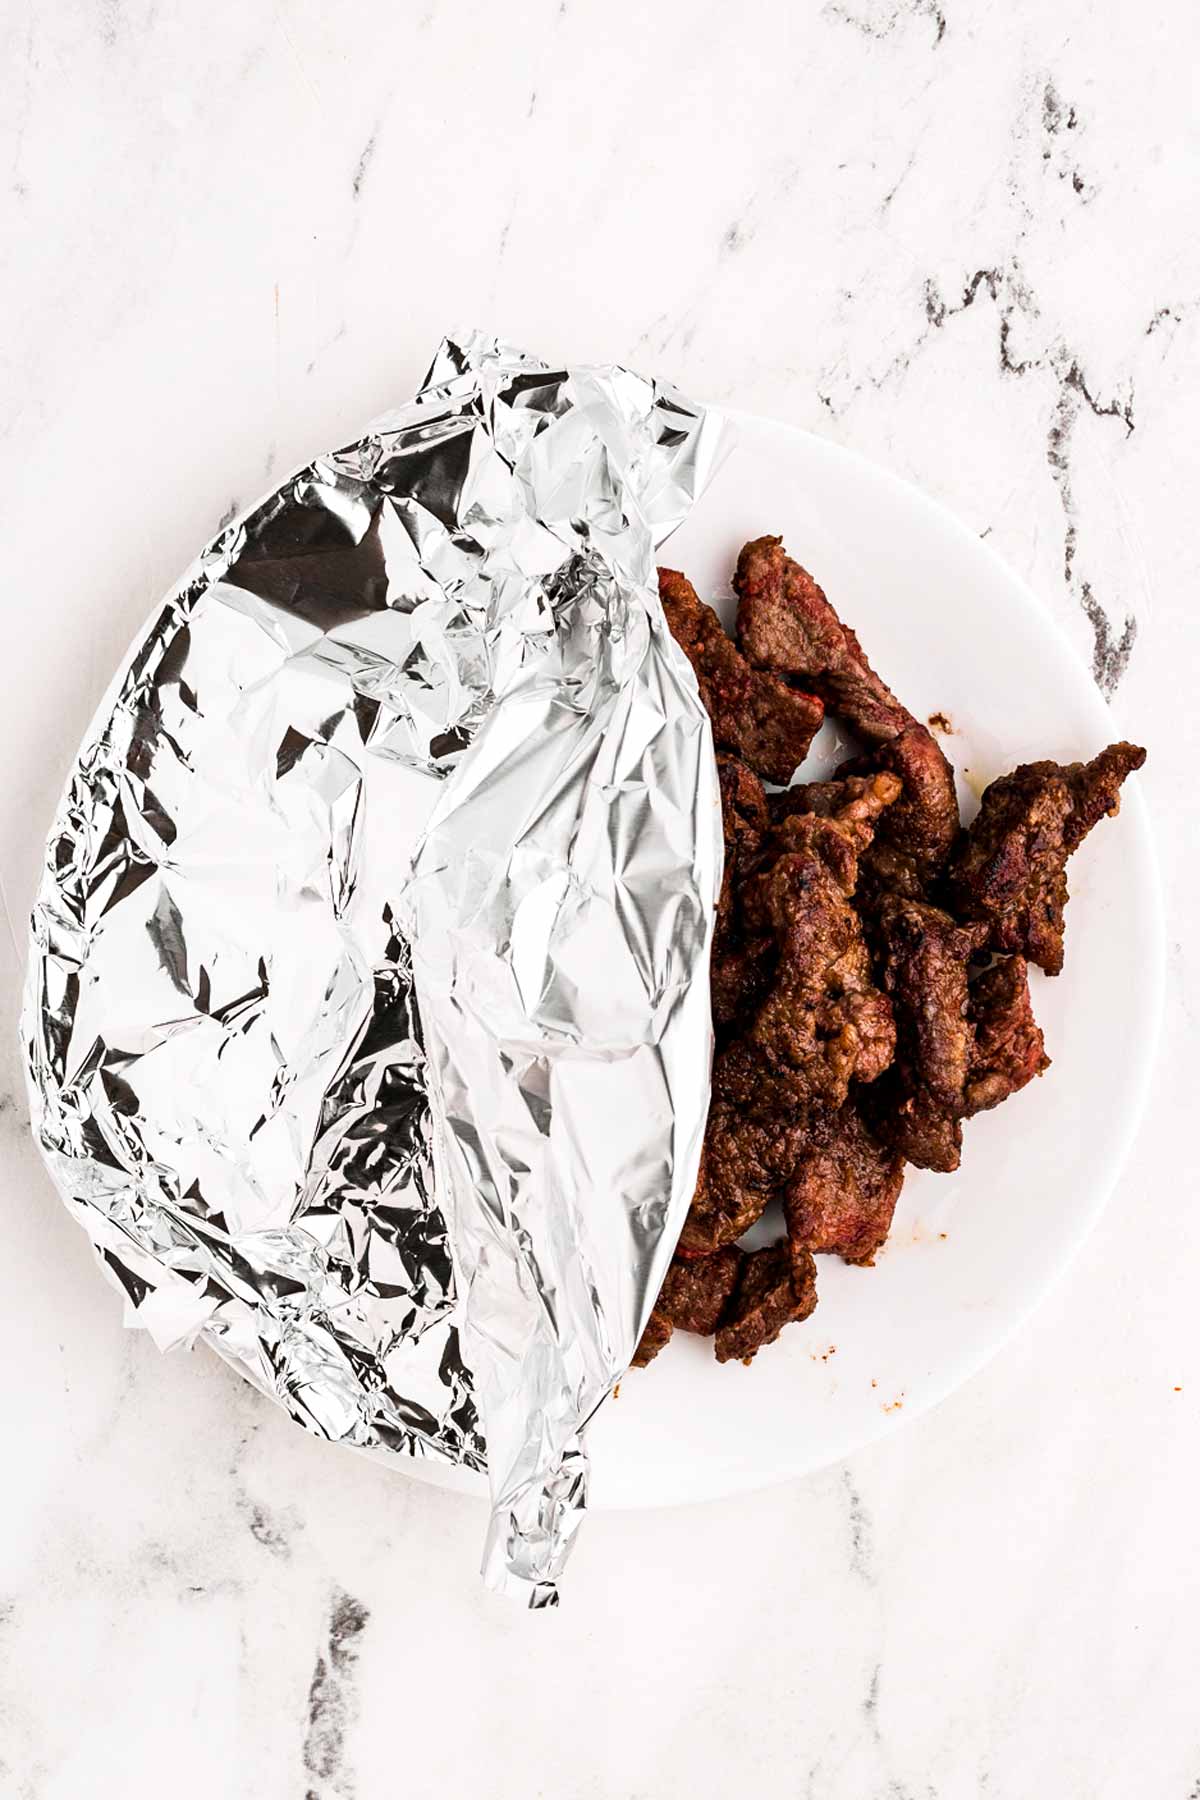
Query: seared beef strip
[658, 1333]
[917, 836]
[853, 798]
[744, 822]
[745, 817]
[1096, 788]
[769, 1295]
[692, 1297]
[855, 801]
[695, 1291]
[745, 1161]
[755, 715]
[740, 978]
[808, 1103]
[824, 1022]
[1008, 1050]
[923, 958]
[785, 623]
[843, 1193]
[1009, 869]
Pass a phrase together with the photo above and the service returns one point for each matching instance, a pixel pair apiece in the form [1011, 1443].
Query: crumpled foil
[417, 714]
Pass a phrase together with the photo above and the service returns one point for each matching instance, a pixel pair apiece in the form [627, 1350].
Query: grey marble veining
[957, 238]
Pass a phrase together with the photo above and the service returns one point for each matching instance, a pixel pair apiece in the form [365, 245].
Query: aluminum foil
[417, 711]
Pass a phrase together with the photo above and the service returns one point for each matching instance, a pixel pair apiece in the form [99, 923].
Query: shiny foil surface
[367, 1013]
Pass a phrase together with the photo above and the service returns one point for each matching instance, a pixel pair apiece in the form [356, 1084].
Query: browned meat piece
[917, 836]
[741, 970]
[821, 1013]
[1008, 1050]
[692, 1298]
[744, 821]
[855, 801]
[823, 798]
[656, 1336]
[753, 1087]
[840, 1059]
[745, 1162]
[740, 977]
[770, 1293]
[785, 623]
[824, 1022]
[1096, 788]
[744, 812]
[842, 1196]
[1009, 869]
[923, 958]
[696, 1290]
[756, 716]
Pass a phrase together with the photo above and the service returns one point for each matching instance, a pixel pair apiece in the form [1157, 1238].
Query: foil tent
[367, 1020]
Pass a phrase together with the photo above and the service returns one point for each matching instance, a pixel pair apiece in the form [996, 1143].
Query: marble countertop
[957, 237]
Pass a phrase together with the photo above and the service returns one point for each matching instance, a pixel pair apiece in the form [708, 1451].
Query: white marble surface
[959, 237]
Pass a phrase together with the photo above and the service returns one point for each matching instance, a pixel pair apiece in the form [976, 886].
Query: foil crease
[366, 1020]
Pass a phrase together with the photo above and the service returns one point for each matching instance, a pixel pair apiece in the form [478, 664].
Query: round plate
[952, 631]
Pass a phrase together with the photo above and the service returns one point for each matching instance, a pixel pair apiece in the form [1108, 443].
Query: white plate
[951, 629]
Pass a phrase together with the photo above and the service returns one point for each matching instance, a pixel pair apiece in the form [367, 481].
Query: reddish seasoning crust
[744, 1164]
[921, 830]
[744, 1298]
[1009, 869]
[774, 1289]
[824, 1022]
[923, 957]
[745, 816]
[843, 1190]
[842, 1054]
[1008, 1048]
[740, 977]
[748, 945]
[739, 970]
[821, 1023]
[693, 1297]
[785, 623]
[854, 800]
[758, 717]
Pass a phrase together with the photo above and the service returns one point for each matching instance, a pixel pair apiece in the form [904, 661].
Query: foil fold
[403, 795]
